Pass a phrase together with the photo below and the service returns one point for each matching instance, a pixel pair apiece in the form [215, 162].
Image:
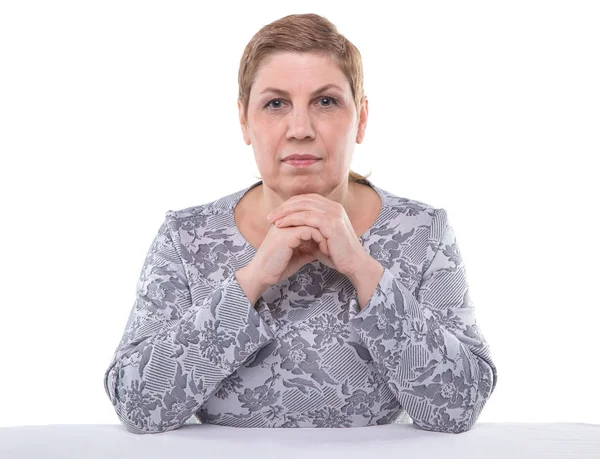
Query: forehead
[291, 70]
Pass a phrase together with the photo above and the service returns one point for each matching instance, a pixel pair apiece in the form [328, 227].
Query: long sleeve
[429, 348]
[174, 353]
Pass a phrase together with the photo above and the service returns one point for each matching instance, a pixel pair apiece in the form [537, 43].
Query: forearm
[366, 278]
[250, 283]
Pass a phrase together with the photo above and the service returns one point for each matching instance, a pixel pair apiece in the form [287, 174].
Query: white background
[113, 112]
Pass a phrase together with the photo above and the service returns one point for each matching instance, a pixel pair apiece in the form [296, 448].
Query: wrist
[366, 279]
[250, 283]
[369, 271]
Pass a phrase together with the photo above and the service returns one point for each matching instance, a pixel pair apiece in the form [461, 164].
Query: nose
[300, 124]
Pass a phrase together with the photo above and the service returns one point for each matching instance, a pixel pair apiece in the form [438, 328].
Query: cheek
[269, 137]
[267, 159]
[337, 133]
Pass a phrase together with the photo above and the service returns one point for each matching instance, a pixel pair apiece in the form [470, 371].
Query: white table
[205, 441]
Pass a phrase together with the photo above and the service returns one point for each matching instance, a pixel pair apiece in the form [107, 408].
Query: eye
[333, 102]
[271, 101]
[332, 99]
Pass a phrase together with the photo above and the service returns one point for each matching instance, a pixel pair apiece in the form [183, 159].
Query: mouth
[301, 162]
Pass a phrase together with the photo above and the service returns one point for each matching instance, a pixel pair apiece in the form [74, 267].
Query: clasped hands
[346, 253]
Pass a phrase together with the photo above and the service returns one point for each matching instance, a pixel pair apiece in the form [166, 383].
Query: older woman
[312, 298]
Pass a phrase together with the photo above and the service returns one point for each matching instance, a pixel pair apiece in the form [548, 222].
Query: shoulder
[419, 212]
[221, 206]
[202, 219]
[421, 222]
[406, 235]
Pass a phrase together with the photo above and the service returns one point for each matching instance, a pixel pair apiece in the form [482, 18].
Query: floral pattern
[195, 349]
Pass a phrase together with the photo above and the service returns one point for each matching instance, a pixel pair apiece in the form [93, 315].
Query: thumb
[320, 256]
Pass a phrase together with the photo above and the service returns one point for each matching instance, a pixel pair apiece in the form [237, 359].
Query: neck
[269, 199]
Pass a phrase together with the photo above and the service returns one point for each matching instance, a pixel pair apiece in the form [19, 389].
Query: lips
[301, 162]
[300, 157]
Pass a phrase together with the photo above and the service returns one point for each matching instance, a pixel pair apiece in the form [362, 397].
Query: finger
[321, 241]
[301, 234]
[308, 233]
[297, 218]
[289, 208]
[306, 219]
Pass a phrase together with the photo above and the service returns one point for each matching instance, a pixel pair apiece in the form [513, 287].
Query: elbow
[444, 422]
[133, 405]
[138, 420]
[448, 428]
[137, 430]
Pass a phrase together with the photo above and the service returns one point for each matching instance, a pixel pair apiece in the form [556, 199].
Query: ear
[243, 123]
[363, 115]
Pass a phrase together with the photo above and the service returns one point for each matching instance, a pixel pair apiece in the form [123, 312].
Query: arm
[174, 353]
[250, 283]
[429, 349]
[366, 279]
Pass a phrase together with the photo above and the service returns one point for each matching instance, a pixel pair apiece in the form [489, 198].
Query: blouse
[305, 354]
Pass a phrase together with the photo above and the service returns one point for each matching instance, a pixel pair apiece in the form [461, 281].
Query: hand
[285, 251]
[345, 252]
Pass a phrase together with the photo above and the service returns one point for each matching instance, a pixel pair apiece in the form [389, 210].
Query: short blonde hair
[302, 33]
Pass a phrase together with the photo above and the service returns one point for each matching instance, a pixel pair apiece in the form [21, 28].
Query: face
[304, 120]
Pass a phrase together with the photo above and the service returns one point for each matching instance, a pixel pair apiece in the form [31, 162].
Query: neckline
[381, 193]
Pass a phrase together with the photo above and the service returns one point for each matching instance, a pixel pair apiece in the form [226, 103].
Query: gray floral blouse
[304, 355]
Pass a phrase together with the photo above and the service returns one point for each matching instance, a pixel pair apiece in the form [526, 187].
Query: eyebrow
[314, 93]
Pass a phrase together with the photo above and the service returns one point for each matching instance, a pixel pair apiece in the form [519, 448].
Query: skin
[309, 122]
[302, 123]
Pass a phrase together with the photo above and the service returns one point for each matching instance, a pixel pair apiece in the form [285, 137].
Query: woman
[294, 320]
